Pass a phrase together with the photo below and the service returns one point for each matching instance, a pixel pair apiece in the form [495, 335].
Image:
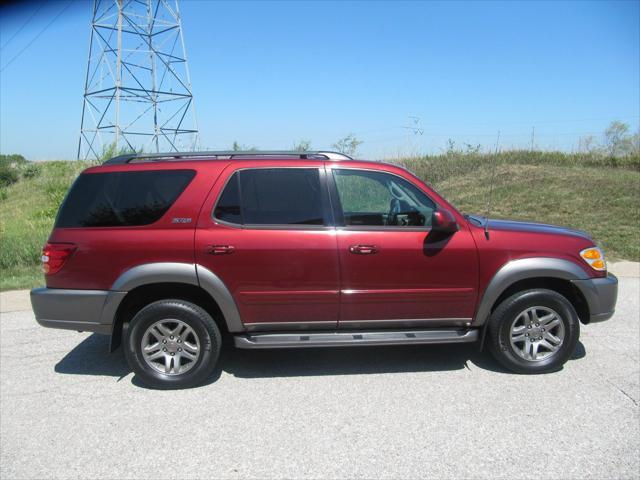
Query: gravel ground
[69, 410]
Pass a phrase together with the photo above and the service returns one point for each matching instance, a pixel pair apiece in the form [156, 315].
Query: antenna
[493, 176]
[137, 93]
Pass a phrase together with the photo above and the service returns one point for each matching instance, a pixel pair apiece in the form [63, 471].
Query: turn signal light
[591, 254]
[54, 256]
[594, 257]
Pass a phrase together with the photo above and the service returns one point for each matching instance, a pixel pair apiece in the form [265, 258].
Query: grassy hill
[597, 194]
[27, 211]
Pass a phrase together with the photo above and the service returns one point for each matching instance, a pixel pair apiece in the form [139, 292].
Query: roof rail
[228, 154]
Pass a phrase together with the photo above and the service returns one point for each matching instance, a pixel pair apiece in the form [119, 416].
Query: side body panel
[279, 276]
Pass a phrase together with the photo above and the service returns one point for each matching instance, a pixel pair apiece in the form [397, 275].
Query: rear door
[267, 234]
[396, 272]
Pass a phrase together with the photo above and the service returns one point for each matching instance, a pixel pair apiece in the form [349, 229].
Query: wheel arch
[540, 272]
[146, 283]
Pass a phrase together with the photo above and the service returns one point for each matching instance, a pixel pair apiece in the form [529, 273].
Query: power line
[23, 25]
[534, 132]
[523, 134]
[552, 122]
[37, 36]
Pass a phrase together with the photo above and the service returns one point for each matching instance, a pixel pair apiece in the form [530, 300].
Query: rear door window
[272, 196]
[121, 199]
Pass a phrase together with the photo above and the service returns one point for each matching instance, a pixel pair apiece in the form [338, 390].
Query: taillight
[54, 255]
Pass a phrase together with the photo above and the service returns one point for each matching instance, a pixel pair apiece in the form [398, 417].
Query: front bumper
[601, 295]
[84, 310]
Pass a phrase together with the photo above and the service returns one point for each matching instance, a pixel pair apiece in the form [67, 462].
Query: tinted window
[381, 199]
[273, 196]
[121, 198]
[228, 208]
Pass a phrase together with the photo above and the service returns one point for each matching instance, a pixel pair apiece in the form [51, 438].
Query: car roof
[200, 160]
[225, 155]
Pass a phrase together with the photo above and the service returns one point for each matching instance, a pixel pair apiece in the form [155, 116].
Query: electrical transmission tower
[137, 93]
[414, 129]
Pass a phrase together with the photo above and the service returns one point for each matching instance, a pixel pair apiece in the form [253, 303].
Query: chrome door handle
[220, 249]
[364, 249]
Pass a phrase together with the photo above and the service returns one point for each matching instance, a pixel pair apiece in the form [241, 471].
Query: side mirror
[443, 221]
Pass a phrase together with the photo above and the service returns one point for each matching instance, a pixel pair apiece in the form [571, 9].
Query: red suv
[169, 253]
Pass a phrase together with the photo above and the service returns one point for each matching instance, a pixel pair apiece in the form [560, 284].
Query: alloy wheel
[537, 333]
[170, 347]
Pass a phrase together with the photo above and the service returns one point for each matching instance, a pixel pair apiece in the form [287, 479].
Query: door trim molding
[405, 322]
[355, 324]
[271, 326]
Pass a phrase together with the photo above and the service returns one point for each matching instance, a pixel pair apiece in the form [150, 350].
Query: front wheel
[534, 331]
[172, 344]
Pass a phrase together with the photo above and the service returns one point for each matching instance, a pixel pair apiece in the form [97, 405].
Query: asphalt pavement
[71, 410]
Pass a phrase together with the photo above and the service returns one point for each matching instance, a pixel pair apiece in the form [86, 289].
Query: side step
[354, 338]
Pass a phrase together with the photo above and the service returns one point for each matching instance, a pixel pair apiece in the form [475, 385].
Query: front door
[396, 272]
[268, 237]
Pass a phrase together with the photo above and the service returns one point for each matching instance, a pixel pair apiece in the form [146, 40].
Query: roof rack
[229, 154]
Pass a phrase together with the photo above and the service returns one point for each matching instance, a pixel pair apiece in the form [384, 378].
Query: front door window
[371, 199]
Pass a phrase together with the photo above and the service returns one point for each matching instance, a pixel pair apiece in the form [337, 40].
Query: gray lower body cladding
[95, 310]
[601, 295]
[84, 310]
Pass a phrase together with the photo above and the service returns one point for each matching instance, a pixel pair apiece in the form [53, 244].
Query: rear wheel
[172, 344]
[534, 331]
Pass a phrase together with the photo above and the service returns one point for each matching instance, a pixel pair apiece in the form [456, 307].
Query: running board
[354, 338]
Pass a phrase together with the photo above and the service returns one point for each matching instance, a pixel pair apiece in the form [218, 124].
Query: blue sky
[269, 73]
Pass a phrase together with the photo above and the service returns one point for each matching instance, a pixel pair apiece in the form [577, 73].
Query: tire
[509, 334]
[184, 344]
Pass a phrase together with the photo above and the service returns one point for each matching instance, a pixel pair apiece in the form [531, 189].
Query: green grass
[603, 203]
[591, 193]
[27, 211]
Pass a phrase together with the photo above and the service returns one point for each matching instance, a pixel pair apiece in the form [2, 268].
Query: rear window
[121, 199]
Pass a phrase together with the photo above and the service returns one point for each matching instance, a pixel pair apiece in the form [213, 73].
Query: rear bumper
[601, 295]
[84, 310]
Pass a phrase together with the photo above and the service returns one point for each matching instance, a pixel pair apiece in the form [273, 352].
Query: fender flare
[174, 272]
[215, 287]
[161, 272]
[522, 269]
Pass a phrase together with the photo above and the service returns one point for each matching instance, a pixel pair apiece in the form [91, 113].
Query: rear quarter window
[121, 199]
